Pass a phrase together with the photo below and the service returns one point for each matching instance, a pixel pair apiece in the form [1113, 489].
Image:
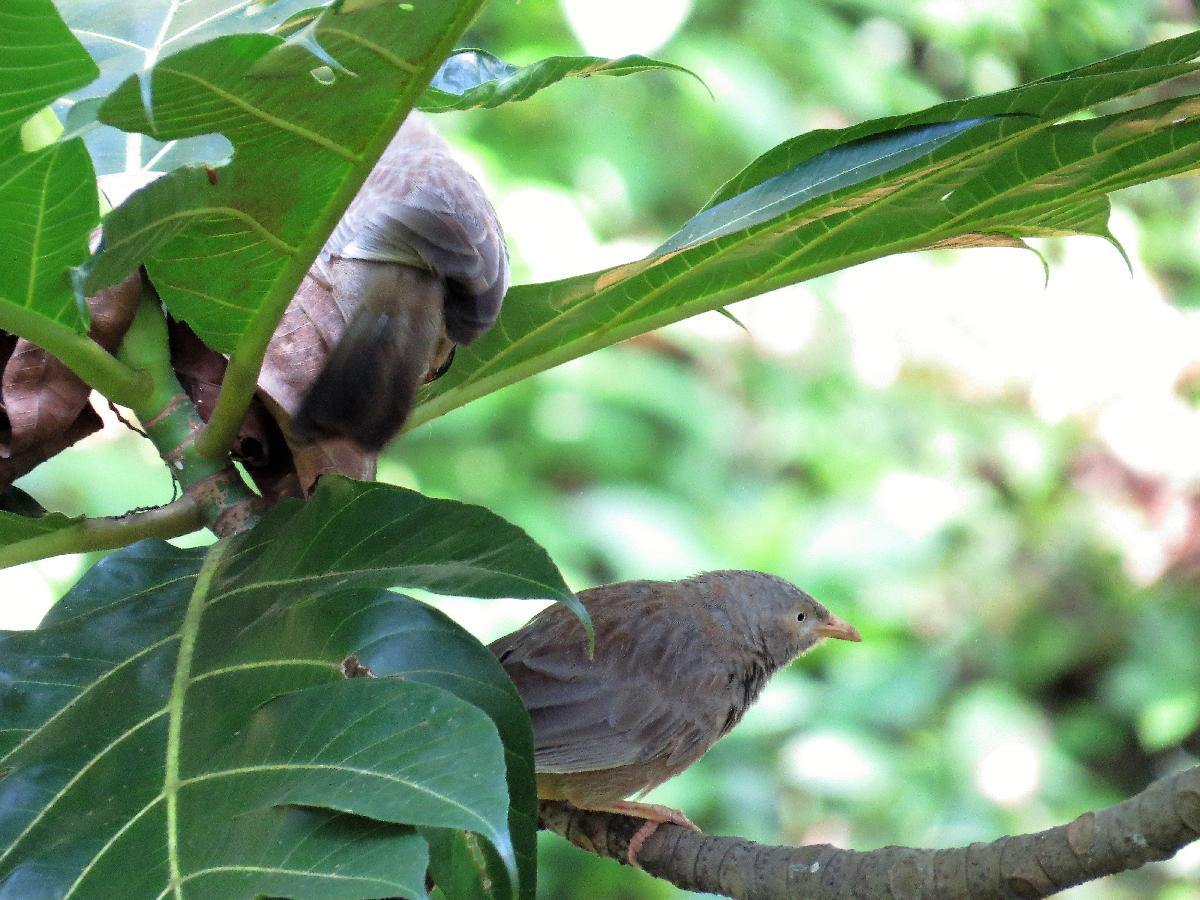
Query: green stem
[108, 533]
[237, 390]
[225, 503]
[79, 353]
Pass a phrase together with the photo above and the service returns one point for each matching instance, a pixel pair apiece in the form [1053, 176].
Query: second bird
[677, 663]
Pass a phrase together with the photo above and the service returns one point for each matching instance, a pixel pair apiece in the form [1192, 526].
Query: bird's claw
[655, 815]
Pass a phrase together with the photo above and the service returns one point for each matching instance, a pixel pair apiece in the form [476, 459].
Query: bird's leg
[653, 813]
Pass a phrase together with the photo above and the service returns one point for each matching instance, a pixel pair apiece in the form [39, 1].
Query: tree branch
[107, 533]
[1151, 825]
[226, 504]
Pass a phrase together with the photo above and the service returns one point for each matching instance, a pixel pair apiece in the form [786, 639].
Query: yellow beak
[840, 629]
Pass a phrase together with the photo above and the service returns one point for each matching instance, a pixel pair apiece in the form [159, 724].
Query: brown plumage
[677, 664]
[418, 263]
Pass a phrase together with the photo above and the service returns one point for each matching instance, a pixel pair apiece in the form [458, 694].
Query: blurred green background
[997, 481]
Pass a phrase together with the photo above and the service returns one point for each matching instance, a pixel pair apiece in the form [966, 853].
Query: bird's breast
[742, 688]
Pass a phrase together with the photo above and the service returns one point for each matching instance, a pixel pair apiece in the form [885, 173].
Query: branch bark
[1151, 825]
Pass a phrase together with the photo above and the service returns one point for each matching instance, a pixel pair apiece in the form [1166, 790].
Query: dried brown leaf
[45, 403]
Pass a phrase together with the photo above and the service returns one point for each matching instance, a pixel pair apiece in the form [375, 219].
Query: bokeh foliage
[1013, 616]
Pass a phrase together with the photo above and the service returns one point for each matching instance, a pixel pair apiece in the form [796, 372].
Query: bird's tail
[365, 392]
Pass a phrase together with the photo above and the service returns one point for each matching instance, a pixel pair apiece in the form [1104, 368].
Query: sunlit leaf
[473, 79]
[843, 166]
[226, 249]
[46, 204]
[128, 38]
[986, 171]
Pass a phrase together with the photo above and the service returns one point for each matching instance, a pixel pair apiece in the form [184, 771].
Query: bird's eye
[799, 617]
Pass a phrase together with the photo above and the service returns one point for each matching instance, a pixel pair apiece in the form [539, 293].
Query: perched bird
[419, 265]
[676, 665]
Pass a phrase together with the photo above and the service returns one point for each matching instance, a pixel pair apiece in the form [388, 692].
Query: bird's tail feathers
[366, 390]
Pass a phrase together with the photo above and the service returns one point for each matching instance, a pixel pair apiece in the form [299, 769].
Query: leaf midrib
[188, 632]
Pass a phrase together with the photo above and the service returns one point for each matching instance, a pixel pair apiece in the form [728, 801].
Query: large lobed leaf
[46, 204]
[179, 725]
[127, 38]
[987, 170]
[226, 248]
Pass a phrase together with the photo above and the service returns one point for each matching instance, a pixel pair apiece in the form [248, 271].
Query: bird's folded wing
[419, 207]
[633, 703]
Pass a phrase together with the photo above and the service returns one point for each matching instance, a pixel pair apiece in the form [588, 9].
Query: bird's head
[776, 618]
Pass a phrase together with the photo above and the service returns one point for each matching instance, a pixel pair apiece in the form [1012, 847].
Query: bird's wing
[634, 702]
[419, 207]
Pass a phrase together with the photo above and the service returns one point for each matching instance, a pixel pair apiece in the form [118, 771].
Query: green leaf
[18, 527]
[378, 535]
[475, 79]
[46, 202]
[42, 61]
[843, 166]
[127, 38]
[985, 171]
[227, 257]
[1044, 101]
[416, 754]
[206, 705]
[464, 867]
[433, 650]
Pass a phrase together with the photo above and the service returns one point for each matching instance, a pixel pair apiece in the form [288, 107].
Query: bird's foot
[655, 815]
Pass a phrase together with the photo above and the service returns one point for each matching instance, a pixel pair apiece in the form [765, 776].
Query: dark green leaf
[473, 79]
[464, 867]
[208, 708]
[378, 535]
[433, 650]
